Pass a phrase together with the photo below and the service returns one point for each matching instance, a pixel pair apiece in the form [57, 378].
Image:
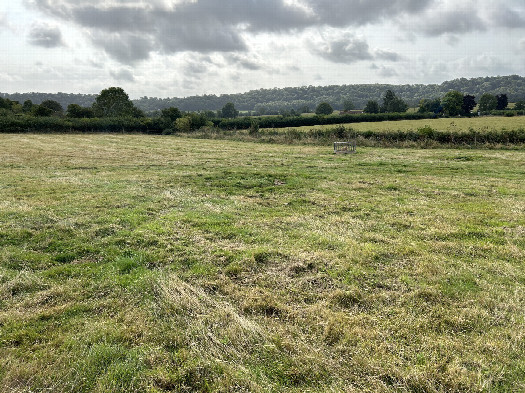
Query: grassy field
[459, 124]
[154, 263]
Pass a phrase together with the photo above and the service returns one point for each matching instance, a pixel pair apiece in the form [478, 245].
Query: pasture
[460, 124]
[140, 263]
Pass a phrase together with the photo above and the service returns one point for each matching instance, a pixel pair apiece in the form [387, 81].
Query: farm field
[460, 124]
[140, 263]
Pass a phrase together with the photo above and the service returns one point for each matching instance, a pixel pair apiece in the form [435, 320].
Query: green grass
[484, 123]
[149, 263]
[477, 132]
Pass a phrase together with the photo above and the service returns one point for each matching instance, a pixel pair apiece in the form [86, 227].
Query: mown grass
[149, 263]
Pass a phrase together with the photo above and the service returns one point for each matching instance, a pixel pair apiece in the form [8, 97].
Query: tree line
[113, 110]
[453, 103]
[302, 99]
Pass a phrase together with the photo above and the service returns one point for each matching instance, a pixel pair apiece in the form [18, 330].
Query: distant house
[351, 112]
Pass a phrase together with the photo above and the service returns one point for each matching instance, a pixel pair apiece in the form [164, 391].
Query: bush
[183, 124]
[254, 127]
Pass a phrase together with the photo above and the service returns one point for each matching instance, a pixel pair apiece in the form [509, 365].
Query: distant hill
[273, 100]
[63, 98]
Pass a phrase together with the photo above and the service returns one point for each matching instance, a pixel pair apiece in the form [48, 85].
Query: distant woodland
[306, 98]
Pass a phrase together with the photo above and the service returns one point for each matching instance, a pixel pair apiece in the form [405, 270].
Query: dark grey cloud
[345, 49]
[387, 55]
[509, 17]
[447, 17]
[122, 75]
[45, 35]
[195, 68]
[127, 48]
[130, 30]
[250, 63]
[339, 13]
[453, 22]
[384, 71]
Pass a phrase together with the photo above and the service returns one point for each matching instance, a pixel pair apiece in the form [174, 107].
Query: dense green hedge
[270, 127]
[506, 112]
[244, 123]
[422, 137]
[423, 134]
[470, 137]
[58, 124]
[25, 123]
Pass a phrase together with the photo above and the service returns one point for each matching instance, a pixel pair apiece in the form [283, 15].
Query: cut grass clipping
[136, 263]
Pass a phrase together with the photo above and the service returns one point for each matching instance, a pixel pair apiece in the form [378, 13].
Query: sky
[178, 48]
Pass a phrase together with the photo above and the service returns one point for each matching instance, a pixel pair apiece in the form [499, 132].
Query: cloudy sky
[175, 48]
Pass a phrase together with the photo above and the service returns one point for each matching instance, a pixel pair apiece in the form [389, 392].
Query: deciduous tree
[503, 102]
[79, 112]
[113, 102]
[392, 103]
[348, 105]
[469, 103]
[54, 106]
[488, 102]
[41, 111]
[27, 106]
[452, 103]
[324, 108]
[371, 107]
[430, 105]
[229, 111]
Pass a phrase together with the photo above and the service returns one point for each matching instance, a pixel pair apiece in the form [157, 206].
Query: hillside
[272, 100]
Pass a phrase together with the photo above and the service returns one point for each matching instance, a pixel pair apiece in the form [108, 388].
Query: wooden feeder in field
[345, 147]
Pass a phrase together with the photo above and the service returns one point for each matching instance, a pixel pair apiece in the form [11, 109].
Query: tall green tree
[6, 103]
[54, 106]
[452, 103]
[503, 102]
[169, 116]
[324, 108]
[430, 105]
[229, 111]
[371, 107]
[488, 102]
[27, 106]
[41, 111]
[348, 105]
[469, 103]
[113, 102]
[79, 112]
[392, 103]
